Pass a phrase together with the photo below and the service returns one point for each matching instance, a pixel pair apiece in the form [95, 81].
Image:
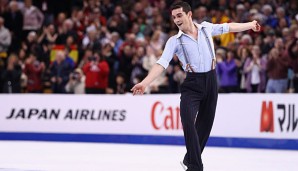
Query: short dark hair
[181, 4]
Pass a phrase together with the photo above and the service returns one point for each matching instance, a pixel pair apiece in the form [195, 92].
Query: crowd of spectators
[106, 46]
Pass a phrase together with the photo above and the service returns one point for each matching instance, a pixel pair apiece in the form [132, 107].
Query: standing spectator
[241, 13]
[107, 8]
[220, 18]
[200, 14]
[270, 20]
[77, 16]
[160, 85]
[22, 56]
[116, 41]
[87, 54]
[121, 84]
[269, 41]
[97, 19]
[33, 18]
[91, 39]
[2, 67]
[33, 70]
[254, 69]
[244, 55]
[108, 54]
[126, 59]
[97, 72]
[47, 8]
[52, 8]
[68, 59]
[46, 53]
[11, 77]
[5, 39]
[15, 25]
[3, 6]
[178, 77]
[293, 53]
[277, 70]
[61, 17]
[227, 72]
[156, 42]
[282, 20]
[60, 71]
[76, 83]
[48, 35]
[66, 30]
[30, 45]
[137, 64]
[118, 22]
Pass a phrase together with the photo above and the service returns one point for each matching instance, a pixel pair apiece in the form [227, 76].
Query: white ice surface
[33, 156]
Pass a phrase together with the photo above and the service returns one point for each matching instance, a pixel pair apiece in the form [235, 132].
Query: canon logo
[165, 117]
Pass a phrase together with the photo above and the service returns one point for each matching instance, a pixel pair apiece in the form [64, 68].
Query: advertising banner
[244, 116]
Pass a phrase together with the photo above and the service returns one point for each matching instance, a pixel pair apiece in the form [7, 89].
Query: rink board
[149, 119]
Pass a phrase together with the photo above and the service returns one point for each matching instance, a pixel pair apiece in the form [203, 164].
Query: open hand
[256, 26]
[138, 89]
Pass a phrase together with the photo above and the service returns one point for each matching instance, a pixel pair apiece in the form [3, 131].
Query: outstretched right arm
[153, 74]
[159, 67]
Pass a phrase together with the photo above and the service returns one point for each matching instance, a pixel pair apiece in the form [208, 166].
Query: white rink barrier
[242, 120]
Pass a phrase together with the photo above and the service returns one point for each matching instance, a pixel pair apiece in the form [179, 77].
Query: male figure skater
[195, 49]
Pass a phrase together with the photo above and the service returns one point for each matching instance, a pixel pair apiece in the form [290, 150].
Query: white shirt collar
[196, 24]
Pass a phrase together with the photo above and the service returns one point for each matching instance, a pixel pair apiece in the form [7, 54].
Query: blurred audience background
[106, 46]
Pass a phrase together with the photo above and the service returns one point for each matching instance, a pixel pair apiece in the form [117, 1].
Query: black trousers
[199, 93]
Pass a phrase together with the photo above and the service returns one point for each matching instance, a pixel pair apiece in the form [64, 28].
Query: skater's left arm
[238, 27]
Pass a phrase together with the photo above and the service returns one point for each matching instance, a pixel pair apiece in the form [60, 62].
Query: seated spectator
[76, 83]
[33, 70]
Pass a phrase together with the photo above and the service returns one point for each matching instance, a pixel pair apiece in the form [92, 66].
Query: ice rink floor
[33, 156]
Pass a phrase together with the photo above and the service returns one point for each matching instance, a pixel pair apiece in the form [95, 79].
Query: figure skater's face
[181, 19]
